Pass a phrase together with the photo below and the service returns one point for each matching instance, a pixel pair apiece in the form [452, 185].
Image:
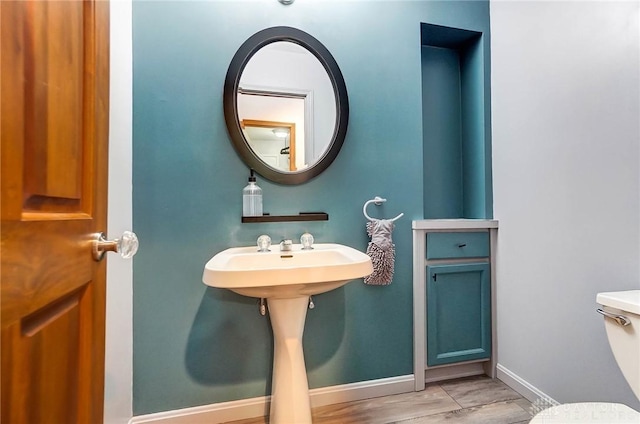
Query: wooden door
[54, 134]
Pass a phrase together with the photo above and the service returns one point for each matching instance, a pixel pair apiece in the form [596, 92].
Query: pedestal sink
[286, 280]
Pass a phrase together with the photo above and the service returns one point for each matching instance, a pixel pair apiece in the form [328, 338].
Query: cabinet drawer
[457, 245]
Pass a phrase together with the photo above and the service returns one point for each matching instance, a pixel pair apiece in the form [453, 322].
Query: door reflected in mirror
[271, 112]
[275, 142]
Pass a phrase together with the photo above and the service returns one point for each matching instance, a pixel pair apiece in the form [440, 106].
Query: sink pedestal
[290, 388]
[287, 280]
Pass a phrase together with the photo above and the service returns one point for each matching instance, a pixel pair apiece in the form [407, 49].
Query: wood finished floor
[473, 400]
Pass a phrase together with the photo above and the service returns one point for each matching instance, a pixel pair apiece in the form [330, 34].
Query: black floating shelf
[302, 216]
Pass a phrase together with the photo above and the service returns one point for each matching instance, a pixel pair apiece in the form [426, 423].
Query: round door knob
[127, 245]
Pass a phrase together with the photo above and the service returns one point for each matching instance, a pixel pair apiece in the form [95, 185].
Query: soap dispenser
[252, 198]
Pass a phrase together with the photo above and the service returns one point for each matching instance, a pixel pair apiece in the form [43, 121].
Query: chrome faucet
[285, 245]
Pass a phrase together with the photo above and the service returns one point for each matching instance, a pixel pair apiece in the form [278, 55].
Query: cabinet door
[458, 313]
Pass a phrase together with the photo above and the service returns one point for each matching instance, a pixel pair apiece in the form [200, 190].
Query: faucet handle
[306, 240]
[264, 242]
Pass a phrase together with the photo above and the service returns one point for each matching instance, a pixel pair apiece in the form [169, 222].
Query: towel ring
[378, 201]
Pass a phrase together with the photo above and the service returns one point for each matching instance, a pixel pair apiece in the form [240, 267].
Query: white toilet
[622, 322]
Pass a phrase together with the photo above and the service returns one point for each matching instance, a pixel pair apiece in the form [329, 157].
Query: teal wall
[195, 345]
[456, 123]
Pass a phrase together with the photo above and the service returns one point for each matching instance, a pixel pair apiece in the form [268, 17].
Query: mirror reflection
[284, 86]
[275, 142]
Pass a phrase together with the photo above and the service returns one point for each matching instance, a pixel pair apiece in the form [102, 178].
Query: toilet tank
[624, 339]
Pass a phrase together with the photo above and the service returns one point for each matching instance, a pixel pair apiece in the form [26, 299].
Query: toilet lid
[591, 412]
[628, 301]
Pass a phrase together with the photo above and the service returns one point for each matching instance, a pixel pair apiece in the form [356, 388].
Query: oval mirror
[285, 105]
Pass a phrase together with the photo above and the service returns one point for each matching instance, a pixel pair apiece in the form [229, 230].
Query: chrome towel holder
[378, 201]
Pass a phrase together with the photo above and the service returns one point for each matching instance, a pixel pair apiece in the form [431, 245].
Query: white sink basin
[286, 280]
[279, 274]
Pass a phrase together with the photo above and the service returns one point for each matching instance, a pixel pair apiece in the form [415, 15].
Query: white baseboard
[532, 393]
[432, 375]
[361, 390]
[256, 407]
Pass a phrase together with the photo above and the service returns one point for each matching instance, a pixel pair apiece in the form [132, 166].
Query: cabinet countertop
[453, 224]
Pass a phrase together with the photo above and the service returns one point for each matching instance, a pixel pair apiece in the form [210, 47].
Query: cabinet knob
[461, 245]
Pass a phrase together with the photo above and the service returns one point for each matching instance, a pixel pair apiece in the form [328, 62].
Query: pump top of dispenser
[252, 177]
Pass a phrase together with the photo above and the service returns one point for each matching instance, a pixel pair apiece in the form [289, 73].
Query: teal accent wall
[195, 345]
[456, 123]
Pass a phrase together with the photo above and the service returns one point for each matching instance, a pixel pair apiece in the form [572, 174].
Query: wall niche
[456, 124]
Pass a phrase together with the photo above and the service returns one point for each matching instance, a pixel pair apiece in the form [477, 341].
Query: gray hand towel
[381, 250]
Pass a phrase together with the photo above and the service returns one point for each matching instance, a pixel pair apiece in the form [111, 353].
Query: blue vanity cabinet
[454, 313]
[458, 304]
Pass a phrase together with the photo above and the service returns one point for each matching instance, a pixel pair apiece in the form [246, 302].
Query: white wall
[566, 132]
[119, 351]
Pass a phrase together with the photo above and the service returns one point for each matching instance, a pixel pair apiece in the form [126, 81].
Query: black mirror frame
[230, 99]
